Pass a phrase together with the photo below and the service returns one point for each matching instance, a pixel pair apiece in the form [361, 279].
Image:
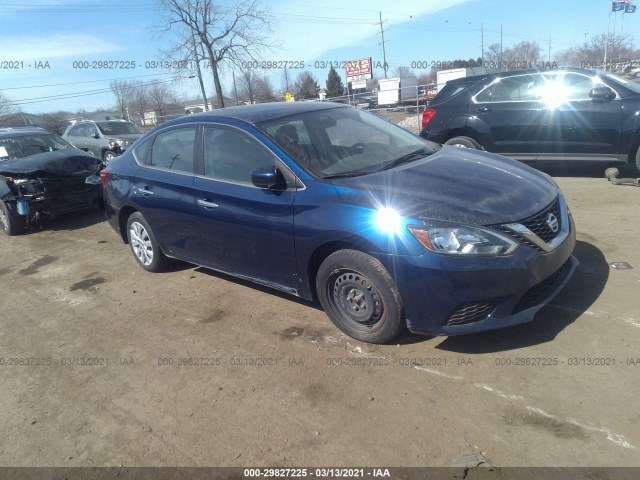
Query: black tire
[360, 297]
[11, 224]
[108, 156]
[466, 142]
[144, 245]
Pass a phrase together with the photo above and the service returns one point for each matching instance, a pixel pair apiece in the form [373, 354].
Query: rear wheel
[144, 245]
[360, 297]
[11, 224]
[108, 156]
[465, 142]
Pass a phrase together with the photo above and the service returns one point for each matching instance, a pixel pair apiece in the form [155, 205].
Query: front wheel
[11, 224]
[464, 142]
[144, 245]
[360, 297]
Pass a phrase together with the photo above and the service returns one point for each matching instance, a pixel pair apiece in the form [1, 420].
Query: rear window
[449, 91]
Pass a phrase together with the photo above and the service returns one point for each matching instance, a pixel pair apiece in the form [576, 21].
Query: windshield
[343, 141]
[634, 87]
[119, 128]
[26, 145]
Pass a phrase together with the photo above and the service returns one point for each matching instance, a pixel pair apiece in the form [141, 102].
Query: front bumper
[442, 295]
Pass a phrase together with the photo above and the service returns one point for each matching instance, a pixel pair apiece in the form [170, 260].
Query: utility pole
[482, 43]
[195, 53]
[500, 60]
[549, 49]
[384, 55]
[235, 90]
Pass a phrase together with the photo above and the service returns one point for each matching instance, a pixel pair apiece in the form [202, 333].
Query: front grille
[538, 225]
[470, 313]
[541, 291]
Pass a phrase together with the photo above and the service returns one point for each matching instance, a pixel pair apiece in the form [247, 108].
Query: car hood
[60, 163]
[455, 184]
[130, 137]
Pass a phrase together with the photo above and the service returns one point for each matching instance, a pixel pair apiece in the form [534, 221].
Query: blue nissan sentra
[323, 201]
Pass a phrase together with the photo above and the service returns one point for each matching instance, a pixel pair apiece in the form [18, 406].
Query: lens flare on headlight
[388, 220]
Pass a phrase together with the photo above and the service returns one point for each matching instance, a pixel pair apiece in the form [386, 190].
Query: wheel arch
[464, 132]
[123, 217]
[323, 251]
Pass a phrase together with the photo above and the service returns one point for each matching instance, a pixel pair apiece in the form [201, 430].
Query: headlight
[463, 240]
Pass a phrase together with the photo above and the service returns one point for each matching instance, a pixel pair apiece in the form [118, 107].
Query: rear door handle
[206, 204]
[484, 109]
[145, 191]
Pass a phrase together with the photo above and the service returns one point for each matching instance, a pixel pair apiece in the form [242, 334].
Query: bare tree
[522, 54]
[6, 107]
[56, 122]
[403, 72]
[140, 99]
[227, 33]
[287, 82]
[159, 96]
[248, 82]
[493, 57]
[264, 90]
[121, 89]
[618, 48]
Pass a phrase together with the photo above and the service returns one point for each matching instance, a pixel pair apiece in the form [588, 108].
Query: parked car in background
[328, 202]
[561, 115]
[104, 139]
[42, 176]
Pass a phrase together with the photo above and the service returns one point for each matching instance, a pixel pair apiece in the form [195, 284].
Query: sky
[46, 45]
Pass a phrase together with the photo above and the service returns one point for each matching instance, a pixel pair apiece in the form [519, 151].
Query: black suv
[560, 114]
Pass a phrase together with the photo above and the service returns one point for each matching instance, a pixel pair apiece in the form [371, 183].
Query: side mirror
[267, 177]
[602, 94]
[96, 136]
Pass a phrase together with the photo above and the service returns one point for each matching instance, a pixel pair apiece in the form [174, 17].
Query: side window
[76, 131]
[173, 150]
[521, 88]
[577, 86]
[230, 155]
[141, 151]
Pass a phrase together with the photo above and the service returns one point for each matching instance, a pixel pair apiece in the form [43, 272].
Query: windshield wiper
[409, 157]
[344, 175]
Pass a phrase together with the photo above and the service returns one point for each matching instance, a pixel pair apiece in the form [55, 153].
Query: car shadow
[69, 221]
[259, 287]
[583, 169]
[579, 294]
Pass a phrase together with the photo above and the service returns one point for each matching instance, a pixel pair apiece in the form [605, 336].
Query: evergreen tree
[335, 87]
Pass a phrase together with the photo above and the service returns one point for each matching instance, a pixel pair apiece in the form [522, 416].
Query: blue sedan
[385, 229]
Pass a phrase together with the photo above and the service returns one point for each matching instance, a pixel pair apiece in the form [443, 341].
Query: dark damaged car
[43, 176]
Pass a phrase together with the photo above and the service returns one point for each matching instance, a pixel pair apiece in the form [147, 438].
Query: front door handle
[484, 109]
[206, 204]
[145, 191]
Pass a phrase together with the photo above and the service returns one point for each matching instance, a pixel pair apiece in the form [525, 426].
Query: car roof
[22, 131]
[513, 73]
[261, 112]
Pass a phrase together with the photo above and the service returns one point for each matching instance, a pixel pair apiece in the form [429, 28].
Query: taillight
[104, 176]
[427, 115]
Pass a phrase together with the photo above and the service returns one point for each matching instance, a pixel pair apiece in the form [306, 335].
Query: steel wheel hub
[356, 298]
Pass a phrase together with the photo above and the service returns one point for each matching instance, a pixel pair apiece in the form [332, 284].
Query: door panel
[164, 190]
[243, 229]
